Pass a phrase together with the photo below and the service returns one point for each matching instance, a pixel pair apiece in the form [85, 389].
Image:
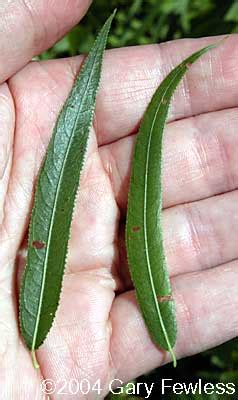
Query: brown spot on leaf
[37, 244]
[136, 229]
[162, 299]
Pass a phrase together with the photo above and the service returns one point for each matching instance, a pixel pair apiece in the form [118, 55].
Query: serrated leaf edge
[33, 349]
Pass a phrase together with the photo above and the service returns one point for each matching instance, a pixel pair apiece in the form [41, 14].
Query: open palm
[98, 333]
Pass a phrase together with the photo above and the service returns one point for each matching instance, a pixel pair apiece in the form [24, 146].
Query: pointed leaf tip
[55, 196]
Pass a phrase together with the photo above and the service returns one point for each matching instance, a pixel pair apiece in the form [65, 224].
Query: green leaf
[144, 239]
[54, 201]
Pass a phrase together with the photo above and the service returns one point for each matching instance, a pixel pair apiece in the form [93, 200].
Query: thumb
[29, 27]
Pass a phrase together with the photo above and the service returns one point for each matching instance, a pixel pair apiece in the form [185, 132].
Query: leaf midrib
[54, 210]
[145, 218]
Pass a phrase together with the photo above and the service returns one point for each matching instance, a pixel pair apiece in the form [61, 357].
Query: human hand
[98, 332]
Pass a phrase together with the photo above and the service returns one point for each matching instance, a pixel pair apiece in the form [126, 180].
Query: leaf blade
[144, 238]
[54, 201]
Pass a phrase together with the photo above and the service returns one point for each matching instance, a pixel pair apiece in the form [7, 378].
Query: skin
[98, 331]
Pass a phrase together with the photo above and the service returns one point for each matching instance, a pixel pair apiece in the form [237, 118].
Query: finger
[206, 307]
[30, 26]
[93, 243]
[131, 76]
[199, 159]
[7, 118]
[197, 236]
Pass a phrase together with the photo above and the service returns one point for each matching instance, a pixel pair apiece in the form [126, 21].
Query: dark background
[153, 21]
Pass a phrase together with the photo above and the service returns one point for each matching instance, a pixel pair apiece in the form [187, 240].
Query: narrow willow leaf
[54, 201]
[144, 239]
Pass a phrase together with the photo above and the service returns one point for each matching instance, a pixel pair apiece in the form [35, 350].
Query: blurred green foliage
[213, 366]
[149, 21]
[152, 21]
